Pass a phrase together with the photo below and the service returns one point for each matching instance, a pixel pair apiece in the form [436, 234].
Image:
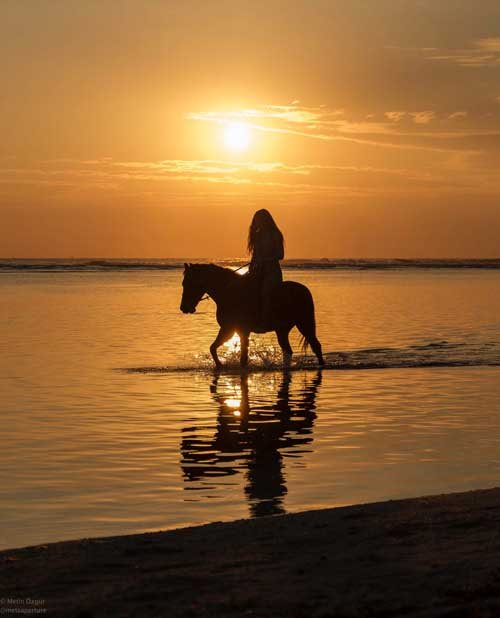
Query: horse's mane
[214, 268]
[217, 267]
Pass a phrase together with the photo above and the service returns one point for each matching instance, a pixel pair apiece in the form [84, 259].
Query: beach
[433, 556]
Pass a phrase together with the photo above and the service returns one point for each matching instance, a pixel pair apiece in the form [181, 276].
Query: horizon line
[240, 259]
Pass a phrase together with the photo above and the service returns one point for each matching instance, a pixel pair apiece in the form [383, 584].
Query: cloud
[395, 116]
[484, 52]
[210, 167]
[293, 113]
[155, 181]
[318, 122]
[91, 174]
[292, 119]
[331, 124]
[422, 117]
[490, 44]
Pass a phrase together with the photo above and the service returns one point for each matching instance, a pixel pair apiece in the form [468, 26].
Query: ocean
[114, 421]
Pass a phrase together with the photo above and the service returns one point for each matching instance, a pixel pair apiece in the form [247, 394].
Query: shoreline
[429, 556]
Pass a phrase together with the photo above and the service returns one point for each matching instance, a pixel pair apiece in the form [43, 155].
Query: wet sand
[425, 557]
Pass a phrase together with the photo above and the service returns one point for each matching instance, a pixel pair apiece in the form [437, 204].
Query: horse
[236, 297]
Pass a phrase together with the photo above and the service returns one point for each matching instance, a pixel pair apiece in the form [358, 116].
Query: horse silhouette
[236, 297]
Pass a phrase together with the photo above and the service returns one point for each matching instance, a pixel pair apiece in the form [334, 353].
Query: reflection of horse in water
[253, 435]
[235, 296]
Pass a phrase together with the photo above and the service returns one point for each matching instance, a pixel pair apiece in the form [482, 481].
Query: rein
[208, 297]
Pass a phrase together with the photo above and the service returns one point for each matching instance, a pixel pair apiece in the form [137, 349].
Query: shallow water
[113, 421]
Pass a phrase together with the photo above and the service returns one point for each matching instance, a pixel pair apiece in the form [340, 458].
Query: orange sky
[373, 127]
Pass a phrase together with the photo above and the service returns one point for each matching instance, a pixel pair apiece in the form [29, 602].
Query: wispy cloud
[395, 116]
[330, 124]
[211, 167]
[484, 52]
[423, 117]
[318, 122]
[294, 113]
[490, 44]
[293, 119]
[74, 174]
[419, 117]
[235, 172]
[156, 180]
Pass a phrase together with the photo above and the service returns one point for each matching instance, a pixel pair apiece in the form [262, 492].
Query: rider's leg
[267, 288]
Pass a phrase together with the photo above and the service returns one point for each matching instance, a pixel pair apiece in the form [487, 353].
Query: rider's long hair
[262, 221]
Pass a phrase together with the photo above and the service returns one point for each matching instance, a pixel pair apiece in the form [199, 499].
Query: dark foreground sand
[437, 556]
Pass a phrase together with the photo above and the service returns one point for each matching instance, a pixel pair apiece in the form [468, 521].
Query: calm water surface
[113, 421]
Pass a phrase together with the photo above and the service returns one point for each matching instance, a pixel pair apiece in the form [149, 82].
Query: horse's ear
[186, 266]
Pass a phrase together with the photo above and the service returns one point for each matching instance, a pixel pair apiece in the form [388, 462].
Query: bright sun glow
[237, 137]
[233, 343]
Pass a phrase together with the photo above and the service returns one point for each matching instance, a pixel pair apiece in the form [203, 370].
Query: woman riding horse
[265, 244]
[287, 303]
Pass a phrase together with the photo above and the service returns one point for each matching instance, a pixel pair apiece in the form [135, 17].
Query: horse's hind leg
[285, 346]
[309, 333]
[224, 335]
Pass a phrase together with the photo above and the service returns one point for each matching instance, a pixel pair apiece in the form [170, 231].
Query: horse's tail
[306, 323]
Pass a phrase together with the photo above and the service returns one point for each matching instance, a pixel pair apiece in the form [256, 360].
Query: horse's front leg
[224, 334]
[244, 350]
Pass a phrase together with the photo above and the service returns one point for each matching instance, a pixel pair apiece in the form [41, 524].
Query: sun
[237, 137]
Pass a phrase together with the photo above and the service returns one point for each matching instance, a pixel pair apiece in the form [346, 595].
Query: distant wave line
[110, 265]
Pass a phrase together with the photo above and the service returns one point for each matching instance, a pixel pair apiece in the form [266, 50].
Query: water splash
[427, 354]
[259, 356]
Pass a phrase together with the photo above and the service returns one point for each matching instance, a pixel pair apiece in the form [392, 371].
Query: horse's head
[193, 288]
